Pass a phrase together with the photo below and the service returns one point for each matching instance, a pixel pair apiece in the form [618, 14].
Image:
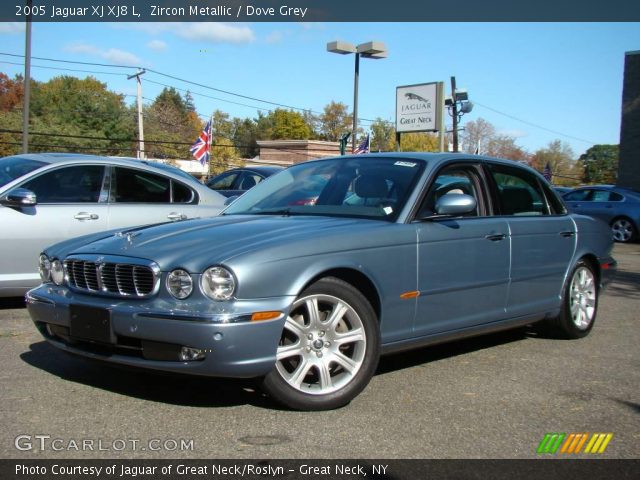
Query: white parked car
[49, 197]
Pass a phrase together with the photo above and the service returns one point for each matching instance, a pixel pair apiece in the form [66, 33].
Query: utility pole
[27, 84]
[454, 114]
[137, 75]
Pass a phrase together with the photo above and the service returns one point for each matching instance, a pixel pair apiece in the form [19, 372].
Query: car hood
[193, 244]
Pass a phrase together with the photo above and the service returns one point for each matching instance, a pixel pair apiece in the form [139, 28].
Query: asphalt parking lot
[494, 396]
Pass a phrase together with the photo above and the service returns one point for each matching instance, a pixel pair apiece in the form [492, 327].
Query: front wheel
[579, 303]
[329, 348]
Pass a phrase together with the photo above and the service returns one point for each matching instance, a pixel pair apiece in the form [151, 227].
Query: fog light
[188, 354]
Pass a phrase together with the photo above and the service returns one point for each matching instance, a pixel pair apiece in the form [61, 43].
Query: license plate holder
[90, 323]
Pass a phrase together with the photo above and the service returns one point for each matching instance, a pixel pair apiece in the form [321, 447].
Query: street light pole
[27, 83]
[375, 50]
[355, 103]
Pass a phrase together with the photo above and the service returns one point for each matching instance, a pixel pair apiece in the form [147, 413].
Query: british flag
[201, 148]
[363, 147]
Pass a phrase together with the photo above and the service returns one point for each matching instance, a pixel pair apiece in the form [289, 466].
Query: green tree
[600, 164]
[419, 142]
[383, 138]
[335, 121]
[245, 133]
[83, 108]
[282, 124]
[560, 158]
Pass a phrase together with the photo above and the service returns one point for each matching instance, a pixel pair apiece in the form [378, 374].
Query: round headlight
[218, 283]
[57, 272]
[179, 284]
[44, 268]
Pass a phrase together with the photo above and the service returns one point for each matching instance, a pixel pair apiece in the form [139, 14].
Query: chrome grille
[113, 278]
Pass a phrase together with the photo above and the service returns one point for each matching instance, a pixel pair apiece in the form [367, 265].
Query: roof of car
[270, 169]
[56, 157]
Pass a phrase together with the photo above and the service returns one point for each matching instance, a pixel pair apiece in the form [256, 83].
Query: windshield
[364, 187]
[15, 167]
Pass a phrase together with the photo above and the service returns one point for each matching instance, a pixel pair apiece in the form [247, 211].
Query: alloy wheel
[582, 302]
[323, 345]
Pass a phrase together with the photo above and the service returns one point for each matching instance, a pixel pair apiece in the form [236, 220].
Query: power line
[555, 132]
[360, 119]
[63, 69]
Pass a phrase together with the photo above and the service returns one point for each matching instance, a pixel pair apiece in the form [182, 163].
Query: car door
[543, 239]
[463, 263]
[598, 203]
[140, 197]
[70, 202]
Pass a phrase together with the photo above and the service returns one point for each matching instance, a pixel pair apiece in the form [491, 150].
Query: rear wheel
[579, 304]
[623, 230]
[328, 350]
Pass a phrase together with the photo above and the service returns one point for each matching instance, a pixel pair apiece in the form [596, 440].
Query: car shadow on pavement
[184, 390]
[10, 303]
[625, 284]
[433, 353]
[194, 391]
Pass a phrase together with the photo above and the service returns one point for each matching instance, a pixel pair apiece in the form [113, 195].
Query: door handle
[496, 237]
[176, 216]
[567, 234]
[86, 216]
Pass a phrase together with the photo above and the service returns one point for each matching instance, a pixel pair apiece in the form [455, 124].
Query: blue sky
[566, 78]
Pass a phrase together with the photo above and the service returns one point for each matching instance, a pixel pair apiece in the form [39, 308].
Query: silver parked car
[46, 198]
[394, 252]
[619, 207]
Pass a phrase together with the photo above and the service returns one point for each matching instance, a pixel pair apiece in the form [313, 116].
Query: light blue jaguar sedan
[309, 277]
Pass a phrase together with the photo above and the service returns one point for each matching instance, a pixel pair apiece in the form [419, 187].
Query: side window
[224, 183]
[556, 205]
[129, 185]
[600, 196]
[519, 191]
[578, 196]
[248, 180]
[450, 181]
[615, 197]
[77, 184]
[182, 193]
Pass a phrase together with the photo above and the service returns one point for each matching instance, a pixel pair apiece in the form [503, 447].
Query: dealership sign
[418, 107]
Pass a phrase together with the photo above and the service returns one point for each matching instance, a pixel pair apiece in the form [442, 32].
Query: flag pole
[209, 146]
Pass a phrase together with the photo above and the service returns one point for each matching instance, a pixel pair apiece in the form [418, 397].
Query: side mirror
[455, 204]
[20, 197]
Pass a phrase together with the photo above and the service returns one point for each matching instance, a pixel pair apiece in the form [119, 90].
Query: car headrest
[516, 200]
[370, 186]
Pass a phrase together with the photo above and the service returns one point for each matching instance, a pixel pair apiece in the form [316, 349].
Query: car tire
[329, 348]
[579, 303]
[623, 230]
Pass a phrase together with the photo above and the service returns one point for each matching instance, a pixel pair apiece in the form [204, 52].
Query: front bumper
[234, 346]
